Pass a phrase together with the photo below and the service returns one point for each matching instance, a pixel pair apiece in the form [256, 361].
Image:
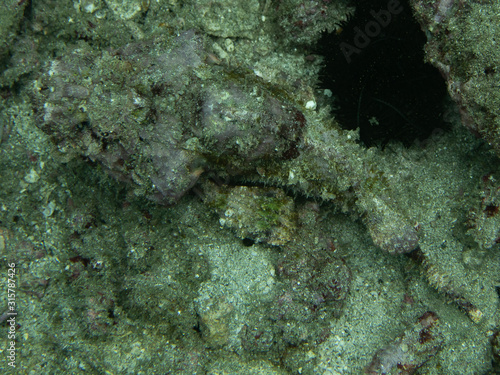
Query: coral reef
[484, 220]
[304, 21]
[460, 46]
[11, 20]
[274, 217]
[144, 136]
[228, 18]
[301, 250]
[411, 350]
[311, 288]
[161, 128]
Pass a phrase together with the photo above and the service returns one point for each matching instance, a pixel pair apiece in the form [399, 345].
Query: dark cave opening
[375, 66]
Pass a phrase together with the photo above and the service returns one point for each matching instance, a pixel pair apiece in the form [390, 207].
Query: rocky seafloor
[184, 191]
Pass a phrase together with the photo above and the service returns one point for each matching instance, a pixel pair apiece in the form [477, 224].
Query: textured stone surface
[109, 116]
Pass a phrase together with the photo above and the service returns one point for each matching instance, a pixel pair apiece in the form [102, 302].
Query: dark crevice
[375, 67]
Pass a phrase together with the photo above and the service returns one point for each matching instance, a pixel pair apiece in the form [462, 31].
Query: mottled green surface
[463, 45]
[109, 282]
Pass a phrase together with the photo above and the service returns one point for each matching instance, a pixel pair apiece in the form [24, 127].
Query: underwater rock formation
[272, 220]
[411, 350]
[484, 219]
[154, 113]
[157, 114]
[460, 36]
[112, 282]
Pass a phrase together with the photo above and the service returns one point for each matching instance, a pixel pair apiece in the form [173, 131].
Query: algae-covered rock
[484, 219]
[111, 282]
[228, 18]
[156, 114]
[262, 214]
[11, 15]
[461, 44]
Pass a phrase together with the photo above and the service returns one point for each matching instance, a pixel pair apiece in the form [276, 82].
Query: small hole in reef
[248, 242]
